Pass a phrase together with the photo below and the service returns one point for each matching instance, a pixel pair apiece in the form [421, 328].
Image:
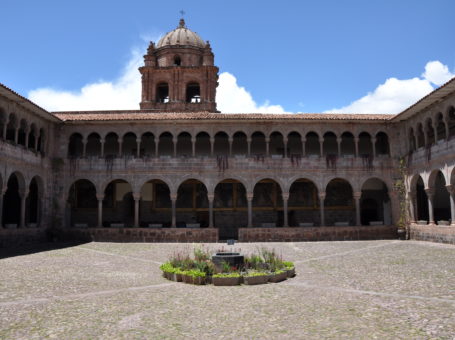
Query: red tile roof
[144, 115]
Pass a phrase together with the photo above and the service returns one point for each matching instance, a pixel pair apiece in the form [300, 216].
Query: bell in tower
[179, 74]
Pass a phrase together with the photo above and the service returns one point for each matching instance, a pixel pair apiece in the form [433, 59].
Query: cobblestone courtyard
[351, 290]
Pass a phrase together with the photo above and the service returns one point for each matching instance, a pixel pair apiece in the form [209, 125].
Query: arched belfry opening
[193, 93]
[180, 65]
[162, 93]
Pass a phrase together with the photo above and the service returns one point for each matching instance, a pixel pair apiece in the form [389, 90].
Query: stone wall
[141, 234]
[13, 238]
[440, 234]
[316, 234]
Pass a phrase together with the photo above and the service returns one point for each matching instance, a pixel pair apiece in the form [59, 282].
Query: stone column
[451, 190]
[357, 196]
[36, 142]
[120, 147]
[174, 212]
[211, 197]
[2, 193]
[267, 147]
[212, 146]
[412, 211]
[27, 135]
[435, 129]
[339, 146]
[22, 216]
[321, 147]
[303, 147]
[174, 141]
[157, 144]
[231, 140]
[193, 146]
[321, 207]
[285, 209]
[138, 151]
[84, 147]
[100, 210]
[430, 195]
[248, 141]
[446, 124]
[373, 142]
[249, 197]
[5, 125]
[102, 141]
[16, 135]
[285, 142]
[356, 143]
[137, 201]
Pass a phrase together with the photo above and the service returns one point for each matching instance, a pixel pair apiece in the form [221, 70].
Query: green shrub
[288, 264]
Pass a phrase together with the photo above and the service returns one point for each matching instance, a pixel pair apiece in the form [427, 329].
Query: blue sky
[286, 55]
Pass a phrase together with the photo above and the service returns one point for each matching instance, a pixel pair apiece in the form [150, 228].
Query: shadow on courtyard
[36, 248]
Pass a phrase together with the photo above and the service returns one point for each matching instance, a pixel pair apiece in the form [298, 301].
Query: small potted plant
[198, 277]
[256, 277]
[226, 279]
[278, 276]
[289, 268]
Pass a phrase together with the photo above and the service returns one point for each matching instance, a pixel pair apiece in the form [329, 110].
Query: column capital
[249, 196]
[210, 197]
[321, 195]
[137, 196]
[24, 194]
[100, 197]
[267, 139]
[412, 194]
[230, 139]
[193, 139]
[429, 192]
[450, 188]
[285, 196]
[138, 140]
[357, 195]
[102, 140]
[173, 197]
[339, 139]
[249, 139]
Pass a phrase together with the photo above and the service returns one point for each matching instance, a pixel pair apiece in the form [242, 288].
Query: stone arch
[421, 198]
[82, 203]
[32, 136]
[303, 204]
[148, 146]
[339, 205]
[429, 131]
[193, 92]
[312, 143]
[330, 145]
[375, 205]
[267, 203]
[3, 123]
[41, 141]
[295, 145]
[382, 144]
[162, 92]
[75, 145]
[412, 140]
[118, 203]
[420, 136]
[93, 146]
[221, 144]
[184, 144]
[365, 144]
[347, 145]
[22, 132]
[192, 204]
[129, 144]
[441, 199]
[111, 145]
[440, 127]
[13, 200]
[258, 143]
[202, 144]
[165, 144]
[239, 143]
[230, 207]
[276, 144]
[11, 127]
[155, 207]
[451, 121]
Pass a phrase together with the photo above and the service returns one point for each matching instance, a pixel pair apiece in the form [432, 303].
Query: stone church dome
[181, 36]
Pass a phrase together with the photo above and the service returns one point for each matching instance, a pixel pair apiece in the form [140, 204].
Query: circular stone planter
[226, 281]
[256, 280]
[290, 272]
[278, 277]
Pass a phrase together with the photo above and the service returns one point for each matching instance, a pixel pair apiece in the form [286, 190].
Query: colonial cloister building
[178, 170]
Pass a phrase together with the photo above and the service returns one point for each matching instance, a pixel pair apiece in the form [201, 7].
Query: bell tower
[179, 74]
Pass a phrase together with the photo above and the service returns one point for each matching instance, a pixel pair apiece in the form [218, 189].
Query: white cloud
[395, 95]
[437, 73]
[232, 98]
[124, 93]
